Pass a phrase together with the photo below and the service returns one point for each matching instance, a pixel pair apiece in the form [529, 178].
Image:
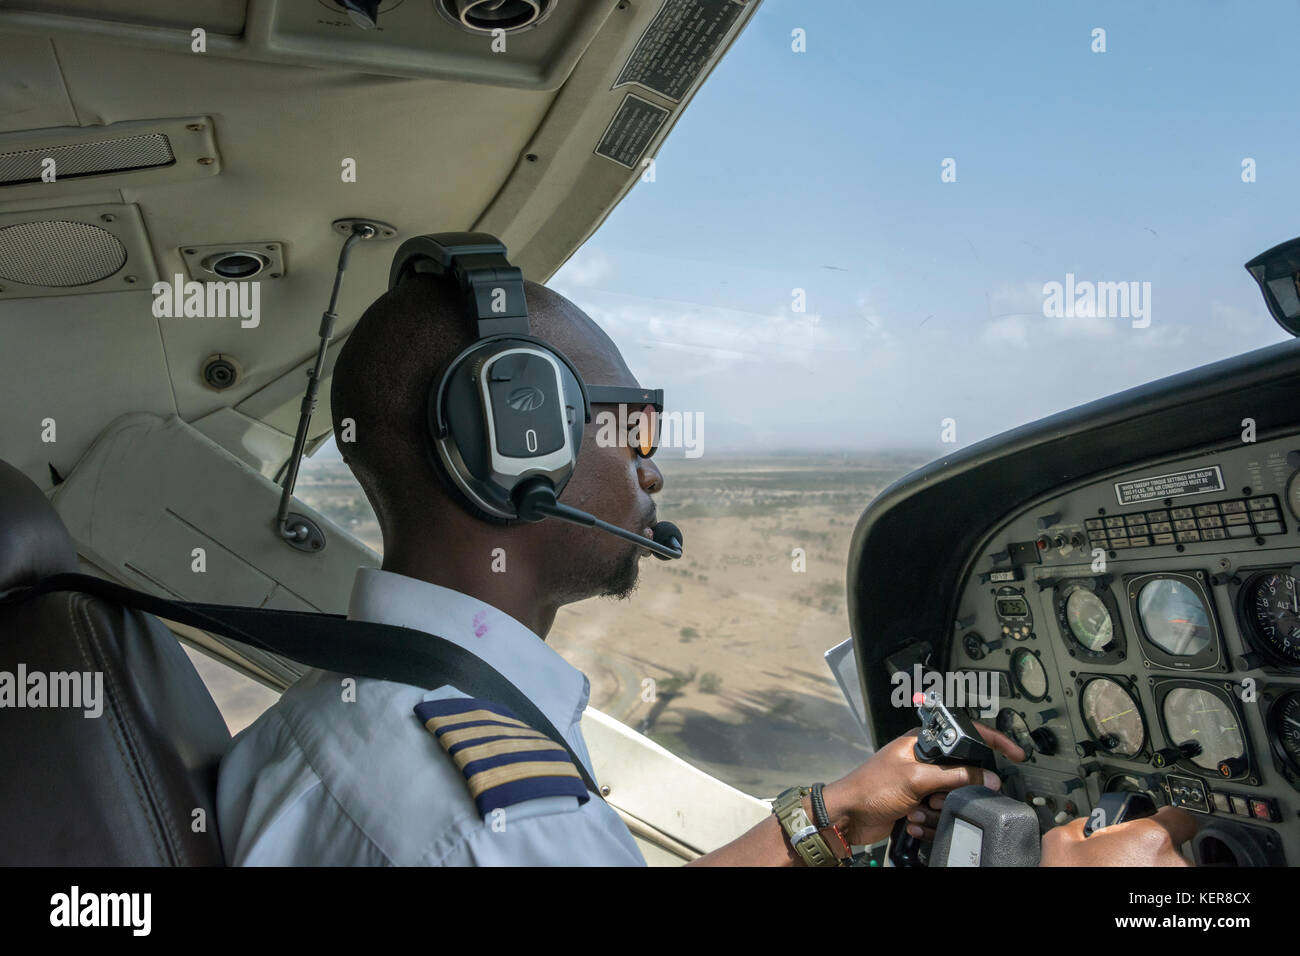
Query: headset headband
[493, 289]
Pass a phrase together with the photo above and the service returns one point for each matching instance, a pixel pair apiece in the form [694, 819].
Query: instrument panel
[1145, 631]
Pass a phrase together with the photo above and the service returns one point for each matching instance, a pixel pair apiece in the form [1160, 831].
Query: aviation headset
[506, 416]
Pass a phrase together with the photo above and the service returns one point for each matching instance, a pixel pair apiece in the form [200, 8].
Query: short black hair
[379, 387]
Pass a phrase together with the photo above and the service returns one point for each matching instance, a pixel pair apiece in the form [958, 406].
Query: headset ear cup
[451, 488]
[575, 397]
[453, 492]
[457, 423]
[442, 396]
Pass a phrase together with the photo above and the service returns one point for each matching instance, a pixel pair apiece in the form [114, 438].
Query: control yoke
[979, 826]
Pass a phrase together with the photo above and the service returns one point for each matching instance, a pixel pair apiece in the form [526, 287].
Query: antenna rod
[300, 531]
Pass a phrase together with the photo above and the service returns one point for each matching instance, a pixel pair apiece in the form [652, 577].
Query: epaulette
[503, 759]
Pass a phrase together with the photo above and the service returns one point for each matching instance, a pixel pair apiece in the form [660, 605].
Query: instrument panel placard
[1174, 485]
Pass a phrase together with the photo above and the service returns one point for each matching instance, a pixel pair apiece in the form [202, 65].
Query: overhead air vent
[54, 162]
[116, 155]
[74, 250]
[486, 16]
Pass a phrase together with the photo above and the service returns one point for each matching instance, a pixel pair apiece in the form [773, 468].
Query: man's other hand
[894, 784]
[1150, 841]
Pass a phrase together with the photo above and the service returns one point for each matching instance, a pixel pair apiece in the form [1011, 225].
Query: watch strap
[802, 832]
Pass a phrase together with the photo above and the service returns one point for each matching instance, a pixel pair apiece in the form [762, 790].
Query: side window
[240, 699]
[326, 483]
[719, 656]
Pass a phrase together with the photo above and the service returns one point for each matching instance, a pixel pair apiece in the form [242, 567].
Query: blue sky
[821, 171]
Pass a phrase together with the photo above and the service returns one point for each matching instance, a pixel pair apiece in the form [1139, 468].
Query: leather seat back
[134, 785]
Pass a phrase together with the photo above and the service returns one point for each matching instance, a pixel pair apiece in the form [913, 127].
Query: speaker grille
[57, 252]
[87, 159]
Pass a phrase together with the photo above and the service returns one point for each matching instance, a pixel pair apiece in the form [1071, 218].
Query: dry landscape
[731, 635]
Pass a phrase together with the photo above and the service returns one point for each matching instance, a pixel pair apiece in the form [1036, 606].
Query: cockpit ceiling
[445, 134]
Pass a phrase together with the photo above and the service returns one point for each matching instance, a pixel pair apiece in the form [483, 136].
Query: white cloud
[1009, 330]
[862, 374]
[584, 270]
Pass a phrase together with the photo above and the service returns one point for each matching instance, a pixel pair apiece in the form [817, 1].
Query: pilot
[352, 771]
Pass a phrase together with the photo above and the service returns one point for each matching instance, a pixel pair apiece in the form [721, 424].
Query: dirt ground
[732, 635]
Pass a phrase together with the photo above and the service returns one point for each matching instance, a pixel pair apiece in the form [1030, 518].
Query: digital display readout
[1012, 607]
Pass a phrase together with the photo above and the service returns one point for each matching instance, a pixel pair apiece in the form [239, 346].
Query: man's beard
[622, 579]
[616, 579]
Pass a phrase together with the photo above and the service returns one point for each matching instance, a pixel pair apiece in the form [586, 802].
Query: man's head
[394, 355]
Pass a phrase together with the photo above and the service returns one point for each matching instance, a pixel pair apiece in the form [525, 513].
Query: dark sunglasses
[645, 406]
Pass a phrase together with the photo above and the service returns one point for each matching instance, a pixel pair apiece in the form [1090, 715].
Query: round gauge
[1088, 619]
[1113, 717]
[1286, 716]
[1012, 723]
[1174, 617]
[1028, 673]
[1271, 603]
[1293, 495]
[1193, 715]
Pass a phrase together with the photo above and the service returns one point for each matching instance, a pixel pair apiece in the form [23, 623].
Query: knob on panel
[1044, 740]
[1166, 757]
[1233, 767]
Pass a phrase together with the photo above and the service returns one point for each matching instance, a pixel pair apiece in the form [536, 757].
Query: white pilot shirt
[320, 779]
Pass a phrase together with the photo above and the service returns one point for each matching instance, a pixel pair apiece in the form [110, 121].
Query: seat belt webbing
[330, 642]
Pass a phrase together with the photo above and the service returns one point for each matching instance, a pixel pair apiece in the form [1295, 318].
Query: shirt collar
[556, 687]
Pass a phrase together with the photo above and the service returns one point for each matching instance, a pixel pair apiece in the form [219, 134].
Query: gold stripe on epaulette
[451, 737]
[498, 747]
[487, 779]
[450, 720]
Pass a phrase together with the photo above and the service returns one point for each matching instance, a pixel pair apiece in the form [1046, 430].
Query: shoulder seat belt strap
[330, 642]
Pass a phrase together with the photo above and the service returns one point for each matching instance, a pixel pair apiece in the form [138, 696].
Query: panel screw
[206, 160]
[195, 127]
[604, 791]
[107, 217]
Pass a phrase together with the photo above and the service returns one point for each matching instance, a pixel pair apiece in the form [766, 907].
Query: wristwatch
[806, 836]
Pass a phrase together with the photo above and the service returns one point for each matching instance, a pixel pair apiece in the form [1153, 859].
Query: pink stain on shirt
[480, 626]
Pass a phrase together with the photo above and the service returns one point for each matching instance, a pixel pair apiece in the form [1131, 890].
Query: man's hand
[865, 804]
[894, 784]
[1150, 841]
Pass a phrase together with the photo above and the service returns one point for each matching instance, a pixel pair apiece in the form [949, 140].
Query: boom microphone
[535, 500]
[669, 536]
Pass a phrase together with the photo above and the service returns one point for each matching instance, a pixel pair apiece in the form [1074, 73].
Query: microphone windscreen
[667, 534]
